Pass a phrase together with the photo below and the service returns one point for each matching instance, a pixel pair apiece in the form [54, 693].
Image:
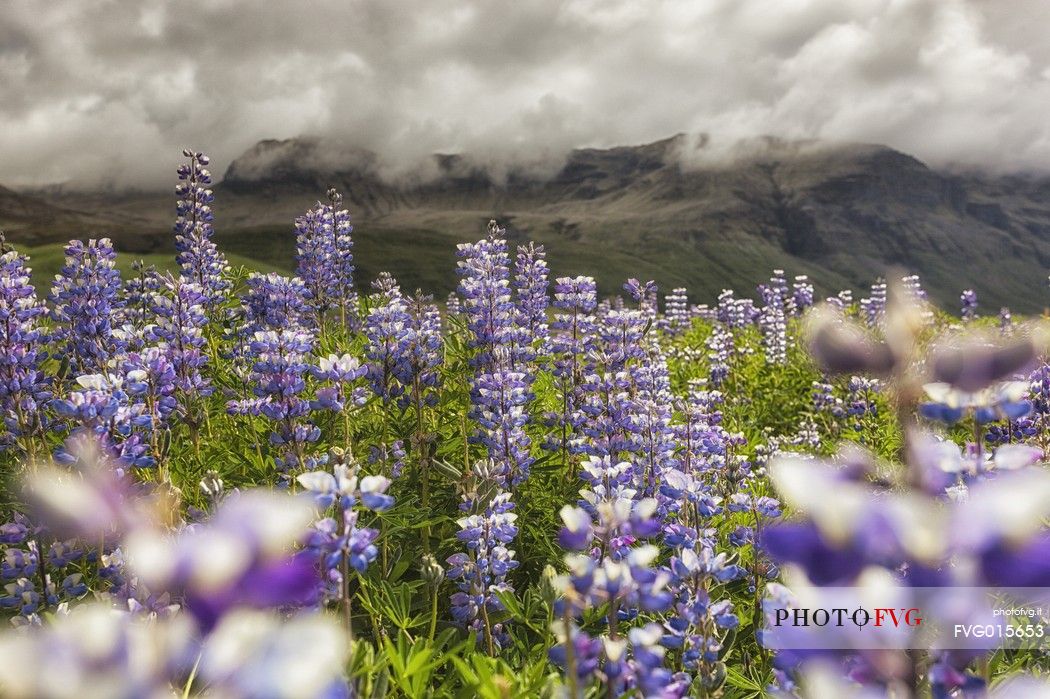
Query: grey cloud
[110, 92]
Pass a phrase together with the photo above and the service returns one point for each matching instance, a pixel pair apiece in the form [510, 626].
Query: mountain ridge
[675, 209]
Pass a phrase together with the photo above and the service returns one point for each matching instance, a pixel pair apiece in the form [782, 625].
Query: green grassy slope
[46, 260]
[424, 258]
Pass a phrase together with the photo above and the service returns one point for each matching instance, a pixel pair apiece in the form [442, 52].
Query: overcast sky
[111, 91]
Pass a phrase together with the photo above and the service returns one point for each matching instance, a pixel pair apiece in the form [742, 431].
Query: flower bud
[431, 571]
[548, 587]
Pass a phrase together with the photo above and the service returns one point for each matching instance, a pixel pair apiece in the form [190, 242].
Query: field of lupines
[237, 485]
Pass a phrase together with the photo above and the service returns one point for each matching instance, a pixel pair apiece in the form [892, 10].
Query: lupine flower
[676, 310]
[1004, 401]
[424, 356]
[928, 530]
[625, 585]
[482, 570]
[801, 294]
[255, 654]
[139, 292]
[605, 403]
[23, 385]
[826, 402]
[343, 245]
[324, 257]
[727, 308]
[100, 403]
[968, 301]
[452, 304]
[874, 306]
[530, 287]
[278, 378]
[89, 496]
[388, 332]
[201, 262]
[341, 543]
[640, 292]
[621, 330]
[574, 326]
[179, 330]
[720, 348]
[772, 320]
[499, 400]
[651, 424]
[316, 259]
[86, 303]
[842, 300]
[150, 380]
[97, 651]
[340, 372]
[243, 557]
[485, 289]
[275, 302]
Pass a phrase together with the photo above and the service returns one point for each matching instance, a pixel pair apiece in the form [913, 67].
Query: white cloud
[111, 92]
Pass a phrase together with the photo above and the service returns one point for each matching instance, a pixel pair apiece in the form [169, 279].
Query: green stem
[433, 613]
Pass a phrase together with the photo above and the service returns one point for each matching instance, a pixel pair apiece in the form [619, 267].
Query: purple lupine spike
[101, 405]
[452, 304]
[343, 544]
[499, 393]
[574, 327]
[180, 318]
[773, 318]
[86, 306]
[315, 258]
[486, 293]
[614, 573]
[801, 293]
[606, 404]
[530, 286]
[343, 245]
[425, 356]
[139, 294]
[651, 410]
[198, 257]
[676, 311]
[776, 291]
[278, 382]
[699, 432]
[275, 302]
[621, 330]
[24, 388]
[720, 346]
[913, 286]
[340, 372]
[388, 329]
[498, 405]
[874, 306]
[150, 377]
[968, 302]
[325, 259]
[482, 570]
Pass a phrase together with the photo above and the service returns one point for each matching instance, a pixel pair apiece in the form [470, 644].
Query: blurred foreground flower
[949, 518]
[242, 576]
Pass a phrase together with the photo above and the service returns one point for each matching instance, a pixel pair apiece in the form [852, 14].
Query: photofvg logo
[886, 617]
[839, 616]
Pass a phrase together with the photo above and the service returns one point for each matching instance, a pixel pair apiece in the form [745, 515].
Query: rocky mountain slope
[672, 210]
